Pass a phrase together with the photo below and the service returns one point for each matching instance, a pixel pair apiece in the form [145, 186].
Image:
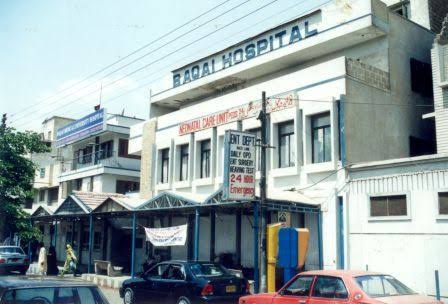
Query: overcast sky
[48, 47]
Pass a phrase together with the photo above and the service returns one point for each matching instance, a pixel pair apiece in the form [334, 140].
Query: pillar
[134, 233]
[196, 234]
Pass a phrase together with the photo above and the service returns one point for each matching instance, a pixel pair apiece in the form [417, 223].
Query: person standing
[52, 267]
[70, 261]
[42, 260]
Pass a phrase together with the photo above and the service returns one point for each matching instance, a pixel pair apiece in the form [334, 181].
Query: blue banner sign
[282, 36]
[81, 128]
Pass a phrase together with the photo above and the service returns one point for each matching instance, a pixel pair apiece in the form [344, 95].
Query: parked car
[338, 286]
[45, 290]
[12, 258]
[185, 282]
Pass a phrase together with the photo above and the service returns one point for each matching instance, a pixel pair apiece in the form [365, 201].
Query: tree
[16, 178]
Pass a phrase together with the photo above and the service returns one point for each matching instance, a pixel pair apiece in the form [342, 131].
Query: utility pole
[263, 117]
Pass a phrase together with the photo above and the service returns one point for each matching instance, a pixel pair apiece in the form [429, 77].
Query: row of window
[85, 155]
[396, 205]
[286, 149]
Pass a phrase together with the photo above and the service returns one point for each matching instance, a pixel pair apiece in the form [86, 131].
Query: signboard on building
[244, 111]
[239, 166]
[284, 218]
[169, 236]
[81, 128]
[282, 36]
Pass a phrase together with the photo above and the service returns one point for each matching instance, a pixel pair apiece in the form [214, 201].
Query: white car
[12, 258]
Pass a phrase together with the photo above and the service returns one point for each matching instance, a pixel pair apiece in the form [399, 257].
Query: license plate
[230, 288]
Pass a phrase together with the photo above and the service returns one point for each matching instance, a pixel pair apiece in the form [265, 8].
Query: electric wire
[141, 57]
[167, 55]
[123, 58]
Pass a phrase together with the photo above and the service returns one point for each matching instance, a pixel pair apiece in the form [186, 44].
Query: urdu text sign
[239, 166]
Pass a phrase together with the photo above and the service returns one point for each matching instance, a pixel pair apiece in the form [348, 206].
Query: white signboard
[170, 236]
[239, 166]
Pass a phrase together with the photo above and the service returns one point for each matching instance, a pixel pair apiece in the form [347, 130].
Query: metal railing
[87, 160]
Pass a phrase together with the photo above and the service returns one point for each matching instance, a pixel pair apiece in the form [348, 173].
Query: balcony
[99, 162]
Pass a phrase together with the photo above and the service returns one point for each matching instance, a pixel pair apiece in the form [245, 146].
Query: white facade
[101, 163]
[351, 78]
[409, 245]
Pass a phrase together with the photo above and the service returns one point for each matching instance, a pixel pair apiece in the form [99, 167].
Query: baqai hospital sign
[282, 36]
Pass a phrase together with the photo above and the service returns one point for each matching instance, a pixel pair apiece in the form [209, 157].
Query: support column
[105, 239]
[89, 264]
[319, 239]
[29, 244]
[256, 244]
[72, 234]
[196, 234]
[134, 232]
[80, 240]
[170, 224]
[55, 234]
[238, 238]
[212, 235]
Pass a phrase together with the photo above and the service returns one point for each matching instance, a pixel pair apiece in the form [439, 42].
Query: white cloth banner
[170, 236]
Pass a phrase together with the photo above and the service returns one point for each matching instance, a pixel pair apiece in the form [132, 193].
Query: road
[112, 295]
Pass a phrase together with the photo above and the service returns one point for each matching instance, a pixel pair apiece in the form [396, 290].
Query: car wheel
[128, 296]
[183, 300]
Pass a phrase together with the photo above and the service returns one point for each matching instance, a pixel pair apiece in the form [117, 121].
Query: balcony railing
[88, 160]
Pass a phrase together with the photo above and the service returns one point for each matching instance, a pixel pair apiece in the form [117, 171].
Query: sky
[54, 53]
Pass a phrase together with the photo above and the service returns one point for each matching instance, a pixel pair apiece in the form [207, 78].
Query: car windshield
[208, 270]
[377, 286]
[54, 295]
[11, 250]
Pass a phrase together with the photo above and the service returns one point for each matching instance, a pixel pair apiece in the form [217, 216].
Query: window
[394, 205]
[164, 165]
[300, 287]
[183, 169]
[42, 172]
[157, 271]
[123, 148]
[124, 187]
[205, 158]
[78, 184]
[41, 195]
[174, 272]
[286, 143]
[321, 138]
[443, 203]
[330, 287]
[53, 194]
[87, 155]
[382, 286]
[257, 133]
[403, 8]
[106, 149]
[421, 77]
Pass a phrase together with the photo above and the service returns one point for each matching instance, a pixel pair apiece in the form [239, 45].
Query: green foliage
[16, 178]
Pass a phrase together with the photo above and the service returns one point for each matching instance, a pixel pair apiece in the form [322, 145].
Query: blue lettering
[295, 34]
[205, 70]
[309, 33]
[280, 35]
[176, 80]
[261, 45]
[238, 56]
[250, 51]
[195, 72]
[227, 60]
[187, 76]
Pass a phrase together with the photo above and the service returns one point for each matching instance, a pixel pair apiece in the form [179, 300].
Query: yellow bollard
[304, 238]
[271, 254]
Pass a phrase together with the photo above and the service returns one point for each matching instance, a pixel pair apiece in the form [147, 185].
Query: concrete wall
[411, 248]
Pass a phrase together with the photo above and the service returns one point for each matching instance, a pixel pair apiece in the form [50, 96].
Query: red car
[339, 286]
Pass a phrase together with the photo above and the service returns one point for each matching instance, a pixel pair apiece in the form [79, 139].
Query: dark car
[44, 290]
[185, 282]
[12, 258]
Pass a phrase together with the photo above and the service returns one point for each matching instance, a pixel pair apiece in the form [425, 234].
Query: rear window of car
[11, 250]
[208, 270]
[53, 295]
[377, 286]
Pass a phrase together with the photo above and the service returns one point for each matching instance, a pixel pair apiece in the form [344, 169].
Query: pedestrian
[70, 261]
[52, 266]
[42, 260]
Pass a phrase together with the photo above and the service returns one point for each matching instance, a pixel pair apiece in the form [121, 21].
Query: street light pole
[264, 145]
